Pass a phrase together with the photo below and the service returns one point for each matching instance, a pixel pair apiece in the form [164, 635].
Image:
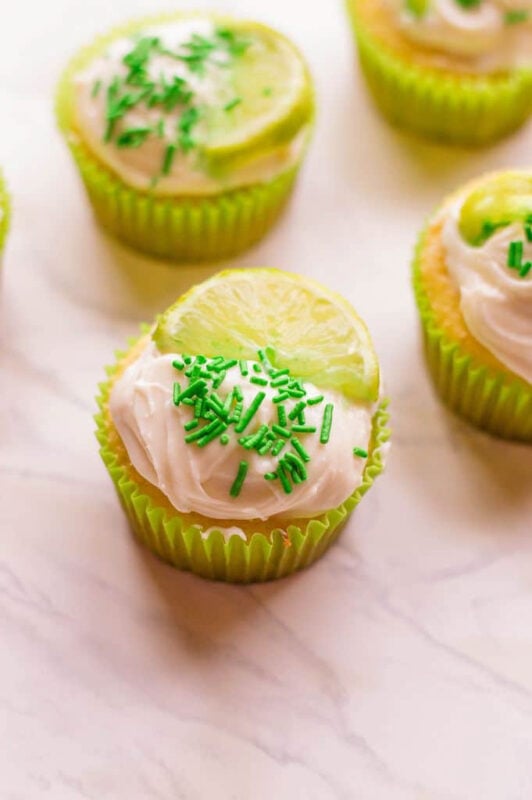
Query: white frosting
[199, 479]
[477, 38]
[138, 166]
[495, 302]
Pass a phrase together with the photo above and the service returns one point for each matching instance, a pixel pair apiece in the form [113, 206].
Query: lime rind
[272, 81]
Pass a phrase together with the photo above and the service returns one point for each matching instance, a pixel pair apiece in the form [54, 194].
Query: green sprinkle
[257, 367]
[313, 401]
[258, 381]
[525, 269]
[264, 357]
[232, 103]
[281, 415]
[239, 480]
[224, 439]
[257, 438]
[191, 425]
[278, 446]
[223, 365]
[176, 393]
[178, 364]
[515, 254]
[304, 428]
[235, 44]
[300, 450]
[265, 448]
[282, 380]
[284, 432]
[214, 404]
[528, 231]
[326, 423]
[227, 405]
[220, 378]
[237, 391]
[195, 388]
[96, 88]
[221, 426]
[237, 411]
[295, 464]
[168, 158]
[283, 477]
[201, 432]
[360, 452]
[270, 476]
[469, 3]
[133, 137]
[516, 16]
[276, 373]
[281, 397]
[250, 413]
[243, 368]
[297, 409]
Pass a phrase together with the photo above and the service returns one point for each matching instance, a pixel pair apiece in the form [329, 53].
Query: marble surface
[400, 666]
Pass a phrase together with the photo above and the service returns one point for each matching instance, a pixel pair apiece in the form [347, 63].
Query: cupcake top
[244, 438]
[487, 238]
[259, 445]
[474, 35]
[194, 105]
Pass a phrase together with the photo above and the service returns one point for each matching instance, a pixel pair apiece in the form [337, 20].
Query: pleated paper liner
[462, 110]
[489, 399]
[172, 537]
[5, 212]
[174, 228]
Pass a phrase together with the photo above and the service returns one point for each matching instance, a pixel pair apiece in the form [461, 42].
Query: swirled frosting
[198, 479]
[139, 164]
[496, 302]
[487, 36]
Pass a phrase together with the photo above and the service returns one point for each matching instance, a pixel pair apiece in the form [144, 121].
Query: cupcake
[455, 70]
[188, 131]
[245, 425]
[4, 213]
[473, 285]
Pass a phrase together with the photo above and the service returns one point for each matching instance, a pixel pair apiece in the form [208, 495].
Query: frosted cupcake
[4, 214]
[455, 70]
[245, 426]
[188, 131]
[473, 284]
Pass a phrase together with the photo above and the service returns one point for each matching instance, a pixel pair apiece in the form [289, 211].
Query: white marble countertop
[400, 666]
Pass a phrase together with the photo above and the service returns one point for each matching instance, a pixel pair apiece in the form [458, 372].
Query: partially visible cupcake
[455, 70]
[4, 213]
[243, 428]
[188, 130]
[473, 285]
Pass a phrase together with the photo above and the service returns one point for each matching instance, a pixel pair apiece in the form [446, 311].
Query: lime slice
[273, 99]
[309, 329]
[502, 199]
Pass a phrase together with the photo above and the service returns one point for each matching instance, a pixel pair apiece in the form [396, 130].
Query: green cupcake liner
[5, 213]
[489, 399]
[466, 110]
[260, 558]
[175, 228]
